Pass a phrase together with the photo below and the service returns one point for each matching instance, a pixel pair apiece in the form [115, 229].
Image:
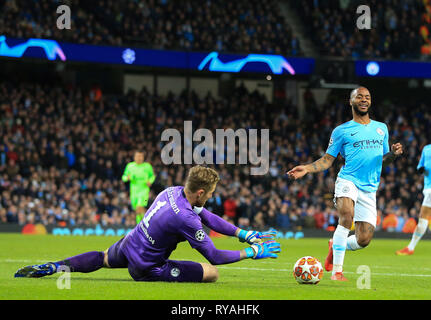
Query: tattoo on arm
[322, 164]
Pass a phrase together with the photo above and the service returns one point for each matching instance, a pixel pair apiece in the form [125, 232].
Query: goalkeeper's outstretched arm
[220, 225]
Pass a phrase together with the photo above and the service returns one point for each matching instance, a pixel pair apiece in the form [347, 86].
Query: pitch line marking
[290, 270]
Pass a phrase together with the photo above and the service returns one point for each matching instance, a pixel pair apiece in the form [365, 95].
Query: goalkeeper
[176, 215]
[141, 176]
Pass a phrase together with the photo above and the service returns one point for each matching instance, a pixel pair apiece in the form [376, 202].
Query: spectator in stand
[41, 187]
[396, 31]
[214, 25]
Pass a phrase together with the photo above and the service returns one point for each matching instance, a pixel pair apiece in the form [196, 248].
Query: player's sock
[352, 243]
[420, 230]
[339, 247]
[85, 262]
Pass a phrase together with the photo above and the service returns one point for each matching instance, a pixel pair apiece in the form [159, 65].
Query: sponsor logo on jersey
[367, 144]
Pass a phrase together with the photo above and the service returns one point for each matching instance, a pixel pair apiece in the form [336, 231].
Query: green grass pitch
[392, 277]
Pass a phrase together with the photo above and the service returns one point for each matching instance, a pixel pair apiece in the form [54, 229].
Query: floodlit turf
[392, 277]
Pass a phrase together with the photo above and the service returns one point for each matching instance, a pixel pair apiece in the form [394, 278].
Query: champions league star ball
[308, 270]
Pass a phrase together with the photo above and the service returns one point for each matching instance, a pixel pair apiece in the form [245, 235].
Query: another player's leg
[364, 232]
[420, 230]
[139, 203]
[140, 212]
[345, 208]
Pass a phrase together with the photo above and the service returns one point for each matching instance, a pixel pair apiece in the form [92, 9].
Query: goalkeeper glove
[267, 249]
[252, 237]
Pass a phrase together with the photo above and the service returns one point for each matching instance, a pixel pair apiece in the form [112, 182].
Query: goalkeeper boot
[405, 252]
[338, 276]
[36, 271]
[329, 257]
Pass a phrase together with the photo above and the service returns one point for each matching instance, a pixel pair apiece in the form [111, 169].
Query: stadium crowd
[398, 28]
[229, 26]
[63, 151]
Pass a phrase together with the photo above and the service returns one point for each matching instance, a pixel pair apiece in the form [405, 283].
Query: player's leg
[210, 273]
[140, 212]
[345, 195]
[365, 219]
[84, 262]
[364, 232]
[176, 271]
[345, 209]
[420, 230]
[139, 204]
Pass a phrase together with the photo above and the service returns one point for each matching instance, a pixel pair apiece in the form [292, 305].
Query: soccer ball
[308, 270]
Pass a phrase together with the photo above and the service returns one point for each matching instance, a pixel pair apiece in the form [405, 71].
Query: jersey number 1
[150, 214]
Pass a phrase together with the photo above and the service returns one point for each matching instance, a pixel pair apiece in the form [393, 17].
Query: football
[308, 270]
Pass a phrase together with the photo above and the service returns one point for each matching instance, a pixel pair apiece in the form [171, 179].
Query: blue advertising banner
[393, 69]
[213, 61]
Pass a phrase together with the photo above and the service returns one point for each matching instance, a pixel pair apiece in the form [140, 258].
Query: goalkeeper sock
[352, 243]
[339, 247]
[420, 230]
[85, 262]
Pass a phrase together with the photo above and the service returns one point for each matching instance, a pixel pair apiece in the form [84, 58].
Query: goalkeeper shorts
[169, 271]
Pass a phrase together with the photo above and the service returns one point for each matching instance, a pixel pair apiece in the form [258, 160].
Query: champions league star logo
[200, 235]
[129, 56]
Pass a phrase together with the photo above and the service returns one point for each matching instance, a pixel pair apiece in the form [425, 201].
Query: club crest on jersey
[175, 272]
[200, 235]
[380, 131]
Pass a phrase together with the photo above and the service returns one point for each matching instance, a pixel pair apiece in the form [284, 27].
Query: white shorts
[427, 198]
[365, 202]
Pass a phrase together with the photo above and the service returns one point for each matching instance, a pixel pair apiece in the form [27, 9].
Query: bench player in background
[364, 144]
[424, 167]
[176, 215]
[141, 176]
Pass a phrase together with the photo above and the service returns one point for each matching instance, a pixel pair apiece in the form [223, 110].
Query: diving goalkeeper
[177, 214]
[141, 176]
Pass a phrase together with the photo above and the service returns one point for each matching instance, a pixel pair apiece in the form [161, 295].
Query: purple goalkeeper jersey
[170, 220]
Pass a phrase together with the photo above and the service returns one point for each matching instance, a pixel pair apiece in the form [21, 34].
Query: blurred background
[75, 107]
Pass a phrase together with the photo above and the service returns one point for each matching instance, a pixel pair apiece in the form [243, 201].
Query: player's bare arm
[319, 165]
[396, 150]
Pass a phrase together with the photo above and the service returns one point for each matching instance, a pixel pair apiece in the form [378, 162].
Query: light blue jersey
[363, 147]
[425, 162]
